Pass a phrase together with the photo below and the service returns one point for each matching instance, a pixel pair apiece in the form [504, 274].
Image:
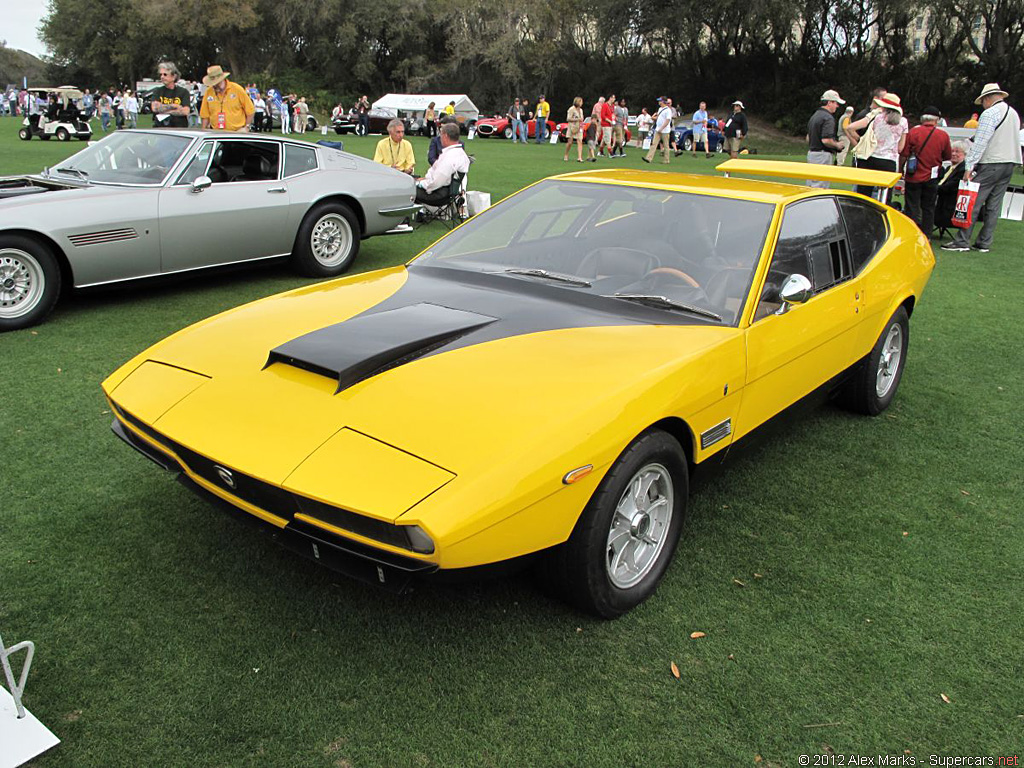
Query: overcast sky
[19, 20]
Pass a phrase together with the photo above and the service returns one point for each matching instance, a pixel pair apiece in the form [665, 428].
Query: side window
[811, 243]
[197, 167]
[866, 230]
[298, 159]
[244, 161]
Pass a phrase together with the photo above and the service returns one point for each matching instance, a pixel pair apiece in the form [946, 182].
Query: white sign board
[21, 740]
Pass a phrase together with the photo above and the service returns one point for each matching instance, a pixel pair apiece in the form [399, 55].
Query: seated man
[433, 188]
[395, 150]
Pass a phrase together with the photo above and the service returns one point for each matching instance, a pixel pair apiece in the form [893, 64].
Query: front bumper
[352, 558]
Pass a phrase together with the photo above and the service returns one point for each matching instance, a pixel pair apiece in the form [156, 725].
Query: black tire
[311, 123]
[29, 282]
[314, 254]
[688, 144]
[580, 569]
[62, 134]
[507, 133]
[876, 378]
[25, 134]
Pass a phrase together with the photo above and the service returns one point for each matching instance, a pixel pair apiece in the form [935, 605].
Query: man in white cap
[994, 155]
[226, 105]
[735, 128]
[822, 143]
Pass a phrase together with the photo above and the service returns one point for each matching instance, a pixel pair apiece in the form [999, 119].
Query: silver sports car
[144, 203]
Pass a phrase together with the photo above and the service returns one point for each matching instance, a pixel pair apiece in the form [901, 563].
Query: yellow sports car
[539, 383]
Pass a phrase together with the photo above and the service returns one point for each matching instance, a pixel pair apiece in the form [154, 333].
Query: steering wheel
[674, 273]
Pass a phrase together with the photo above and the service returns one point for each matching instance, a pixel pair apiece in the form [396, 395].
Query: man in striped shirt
[995, 154]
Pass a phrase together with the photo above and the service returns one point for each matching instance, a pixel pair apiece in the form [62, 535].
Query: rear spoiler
[810, 172]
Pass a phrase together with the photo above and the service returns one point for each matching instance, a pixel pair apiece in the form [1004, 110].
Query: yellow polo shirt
[400, 156]
[449, 110]
[234, 103]
[543, 109]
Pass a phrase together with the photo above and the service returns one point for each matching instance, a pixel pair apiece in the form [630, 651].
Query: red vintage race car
[502, 126]
[562, 128]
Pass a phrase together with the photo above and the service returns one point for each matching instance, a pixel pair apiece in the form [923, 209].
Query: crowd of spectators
[880, 138]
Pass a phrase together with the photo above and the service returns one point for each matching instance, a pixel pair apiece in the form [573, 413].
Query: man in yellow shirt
[226, 105]
[543, 110]
[395, 150]
[450, 109]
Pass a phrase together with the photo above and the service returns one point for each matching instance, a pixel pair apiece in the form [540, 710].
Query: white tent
[411, 102]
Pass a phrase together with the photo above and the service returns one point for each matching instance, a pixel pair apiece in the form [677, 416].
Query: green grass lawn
[880, 562]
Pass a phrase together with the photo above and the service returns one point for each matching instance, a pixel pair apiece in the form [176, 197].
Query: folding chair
[449, 211]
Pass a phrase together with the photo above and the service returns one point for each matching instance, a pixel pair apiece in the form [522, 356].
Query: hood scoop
[367, 345]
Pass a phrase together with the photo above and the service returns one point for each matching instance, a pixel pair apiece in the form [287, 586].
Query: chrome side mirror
[203, 182]
[796, 290]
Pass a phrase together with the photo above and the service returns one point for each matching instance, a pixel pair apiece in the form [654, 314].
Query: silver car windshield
[676, 251]
[126, 157]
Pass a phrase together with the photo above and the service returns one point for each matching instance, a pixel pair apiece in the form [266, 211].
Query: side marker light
[577, 474]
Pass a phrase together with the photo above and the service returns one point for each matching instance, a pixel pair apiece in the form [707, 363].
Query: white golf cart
[61, 118]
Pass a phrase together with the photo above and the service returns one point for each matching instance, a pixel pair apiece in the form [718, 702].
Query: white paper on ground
[23, 739]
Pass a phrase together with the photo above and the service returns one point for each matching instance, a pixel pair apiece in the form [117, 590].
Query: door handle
[279, 190]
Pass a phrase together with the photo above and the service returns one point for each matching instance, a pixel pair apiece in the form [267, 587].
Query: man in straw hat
[735, 129]
[822, 144]
[993, 156]
[226, 105]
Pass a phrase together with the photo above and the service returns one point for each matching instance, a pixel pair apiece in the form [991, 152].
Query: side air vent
[368, 345]
[106, 236]
[717, 433]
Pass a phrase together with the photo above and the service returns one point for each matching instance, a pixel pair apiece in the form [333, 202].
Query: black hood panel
[439, 309]
[370, 344]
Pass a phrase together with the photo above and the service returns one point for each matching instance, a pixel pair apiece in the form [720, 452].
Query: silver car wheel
[331, 240]
[639, 526]
[889, 360]
[22, 282]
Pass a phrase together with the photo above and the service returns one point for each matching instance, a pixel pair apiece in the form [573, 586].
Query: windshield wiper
[549, 275]
[666, 303]
[77, 171]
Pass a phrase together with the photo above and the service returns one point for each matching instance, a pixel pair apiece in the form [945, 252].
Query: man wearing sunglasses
[170, 104]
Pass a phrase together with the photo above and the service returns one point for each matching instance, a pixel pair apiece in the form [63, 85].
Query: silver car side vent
[106, 236]
[716, 433]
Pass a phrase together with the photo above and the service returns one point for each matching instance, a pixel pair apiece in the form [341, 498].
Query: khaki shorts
[732, 144]
[620, 134]
[606, 134]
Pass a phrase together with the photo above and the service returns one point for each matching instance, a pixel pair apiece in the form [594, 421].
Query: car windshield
[127, 157]
[676, 251]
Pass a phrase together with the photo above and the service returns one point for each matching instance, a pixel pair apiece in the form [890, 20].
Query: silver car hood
[19, 192]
